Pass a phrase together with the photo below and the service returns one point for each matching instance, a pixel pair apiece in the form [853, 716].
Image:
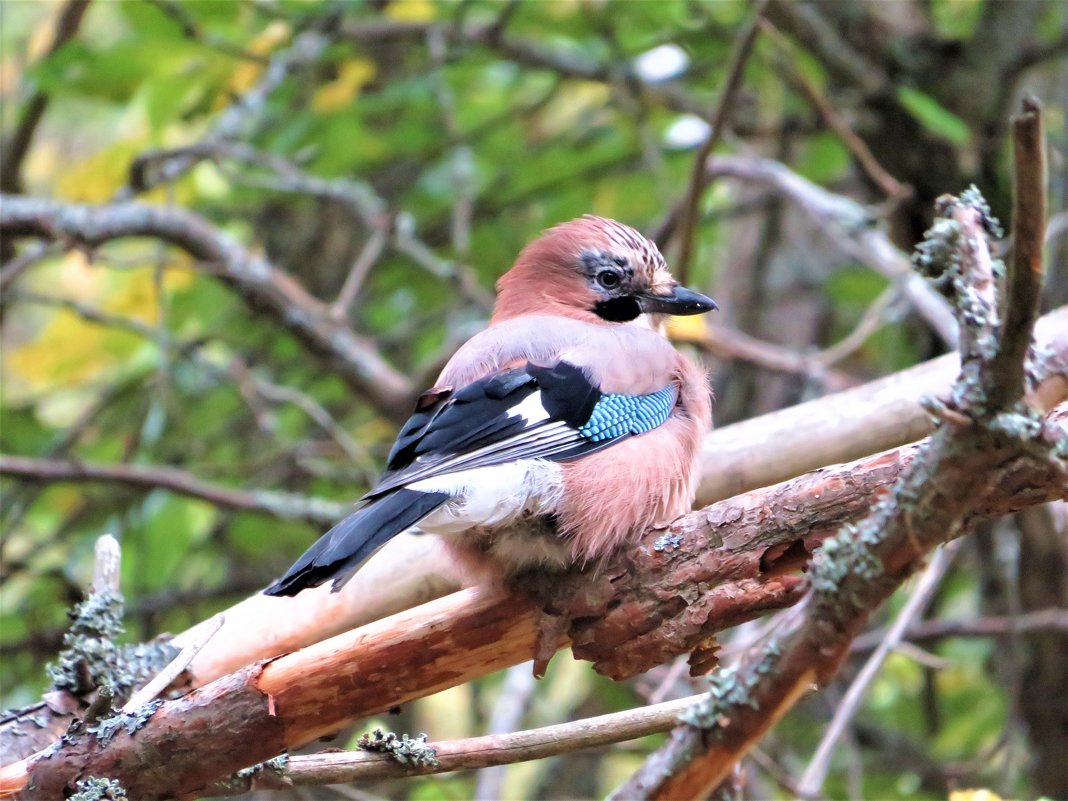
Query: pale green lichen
[666, 542]
[404, 749]
[729, 689]
[276, 765]
[89, 654]
[848, 552]
[94, 789]
[106, 728]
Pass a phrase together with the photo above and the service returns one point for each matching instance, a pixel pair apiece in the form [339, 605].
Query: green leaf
[933, 116]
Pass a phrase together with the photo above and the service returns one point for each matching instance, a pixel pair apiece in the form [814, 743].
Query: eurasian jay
[567, 425]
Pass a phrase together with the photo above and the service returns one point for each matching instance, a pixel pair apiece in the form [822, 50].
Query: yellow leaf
[687, 329]
[97, 178]
[974, 795]
[247, 71]
[352, 76]
[411, 11]
[68, 351]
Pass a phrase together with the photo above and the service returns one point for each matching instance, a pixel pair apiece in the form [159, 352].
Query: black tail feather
[341, 550]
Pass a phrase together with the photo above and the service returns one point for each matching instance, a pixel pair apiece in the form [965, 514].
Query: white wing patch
[493, 496]
[531, 410]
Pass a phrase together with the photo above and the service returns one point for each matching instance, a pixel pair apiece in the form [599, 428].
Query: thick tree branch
[633, 613]
[261, 285]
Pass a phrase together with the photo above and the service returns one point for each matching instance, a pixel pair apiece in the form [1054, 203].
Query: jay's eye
[608, 279]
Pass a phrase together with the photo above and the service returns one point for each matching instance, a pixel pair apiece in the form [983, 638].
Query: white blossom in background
[686, 132]
[662, 63]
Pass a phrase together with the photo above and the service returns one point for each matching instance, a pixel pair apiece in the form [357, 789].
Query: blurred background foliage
[463, 129]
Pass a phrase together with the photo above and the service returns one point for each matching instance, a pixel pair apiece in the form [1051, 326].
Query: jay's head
[596, 269]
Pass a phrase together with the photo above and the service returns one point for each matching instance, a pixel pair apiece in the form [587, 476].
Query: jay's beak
[680, 301]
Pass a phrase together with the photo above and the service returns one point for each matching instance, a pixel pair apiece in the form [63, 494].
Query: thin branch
[106, 566]
[17, 265]
[468, 754]
[263, 286]
[369, 254]
[18, 144]
[688, 211]
[851, 228]
[286, 505]
[507, 716]
[874, 318]
[815, 774]
[878, 174]
[1043, 620]
[191, 29]
[725, 342]
[305, 49]
[1024, 283]
[162, 680]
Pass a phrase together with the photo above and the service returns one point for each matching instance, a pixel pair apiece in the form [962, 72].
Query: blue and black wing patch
[531, 412]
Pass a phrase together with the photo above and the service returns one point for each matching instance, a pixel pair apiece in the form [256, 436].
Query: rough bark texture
[663, 598]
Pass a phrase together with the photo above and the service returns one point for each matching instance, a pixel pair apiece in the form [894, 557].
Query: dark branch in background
[191, 29]
[851, 227]
[689, 209]
[996, 626]
[878, 174]
[985, 431]
[18, 143]
[314, 510]
[359, 196]
[259, 283]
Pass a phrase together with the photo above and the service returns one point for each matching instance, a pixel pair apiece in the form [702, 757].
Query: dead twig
[162, 680]
[686, 212]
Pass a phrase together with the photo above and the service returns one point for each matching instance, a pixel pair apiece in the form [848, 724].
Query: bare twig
[107, 565]
[369, 254]
[851, 228]
[314, 510]
[305, 48]
[162, 680]
[872, 320]
[507, 716]
[16, 266]
[889, 185]
[469, 754]
[699, 178]
[991, 626]
[812, 779]
[1024, 283]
